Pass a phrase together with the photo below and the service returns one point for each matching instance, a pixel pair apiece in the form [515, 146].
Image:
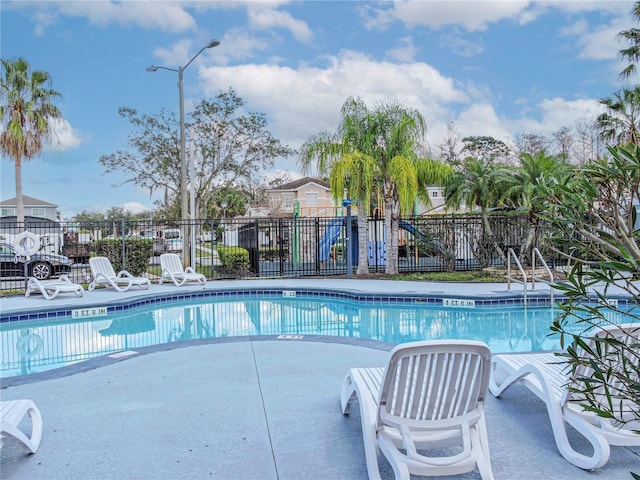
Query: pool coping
[139, 298]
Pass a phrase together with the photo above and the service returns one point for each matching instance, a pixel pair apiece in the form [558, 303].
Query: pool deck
[251, 407]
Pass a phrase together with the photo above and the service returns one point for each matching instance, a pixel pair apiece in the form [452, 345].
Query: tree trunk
[19, 197]
[391, 229]
[363, 256]
[488, 231]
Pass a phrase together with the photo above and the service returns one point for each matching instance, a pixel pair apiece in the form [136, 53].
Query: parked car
[41, 265]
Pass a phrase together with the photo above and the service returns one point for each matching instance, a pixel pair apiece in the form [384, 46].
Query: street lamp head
[152, 68]
[213, 43]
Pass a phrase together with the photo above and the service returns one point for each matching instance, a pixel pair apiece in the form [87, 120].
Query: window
[312, 199]
[37, 212]
[7, 212]
[287, 200]
[434, 193]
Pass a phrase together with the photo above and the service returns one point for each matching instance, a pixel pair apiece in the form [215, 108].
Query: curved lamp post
[184, 195]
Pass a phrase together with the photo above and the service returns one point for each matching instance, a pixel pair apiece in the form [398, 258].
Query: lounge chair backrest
[435, 381]
[101, 265]
[171, 262]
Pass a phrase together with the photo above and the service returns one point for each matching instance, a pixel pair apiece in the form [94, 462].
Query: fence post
[124, 256]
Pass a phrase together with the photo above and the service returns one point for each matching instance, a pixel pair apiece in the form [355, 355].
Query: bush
[234, 257]
[138, 251]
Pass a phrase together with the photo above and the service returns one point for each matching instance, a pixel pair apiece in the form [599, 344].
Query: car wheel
[41, 270]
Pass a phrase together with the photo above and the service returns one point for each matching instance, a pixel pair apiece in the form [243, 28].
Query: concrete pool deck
[250, 408]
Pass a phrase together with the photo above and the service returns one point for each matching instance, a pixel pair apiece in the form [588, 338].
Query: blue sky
[496, 68]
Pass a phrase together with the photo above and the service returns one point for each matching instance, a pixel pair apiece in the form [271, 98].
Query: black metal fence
[276, 247]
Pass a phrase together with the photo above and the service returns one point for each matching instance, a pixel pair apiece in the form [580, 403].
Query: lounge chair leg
[601, 448]
[349, 395]
[9, 425]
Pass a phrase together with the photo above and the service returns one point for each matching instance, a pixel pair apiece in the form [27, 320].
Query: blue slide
[331, 234]
[418, 234]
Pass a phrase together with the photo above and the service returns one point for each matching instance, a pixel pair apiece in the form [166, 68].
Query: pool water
[34, 346]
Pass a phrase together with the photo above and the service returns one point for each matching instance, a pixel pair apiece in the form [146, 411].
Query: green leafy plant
[594, 220]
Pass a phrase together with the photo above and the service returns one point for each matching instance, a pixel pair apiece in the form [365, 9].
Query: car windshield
[7, 249]
[172, 234]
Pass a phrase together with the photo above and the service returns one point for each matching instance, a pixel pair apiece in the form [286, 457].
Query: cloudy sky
[497, 68]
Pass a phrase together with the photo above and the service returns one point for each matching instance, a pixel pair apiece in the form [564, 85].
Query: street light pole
[186, 216]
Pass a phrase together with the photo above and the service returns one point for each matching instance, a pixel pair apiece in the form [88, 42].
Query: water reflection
[37, 346]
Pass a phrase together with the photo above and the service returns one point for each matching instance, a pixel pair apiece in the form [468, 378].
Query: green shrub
[234, 257]
[137, 253]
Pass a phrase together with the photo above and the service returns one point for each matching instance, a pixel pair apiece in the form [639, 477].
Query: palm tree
[477, 184]
[338, 156]
[526, 185]
[396, 132]
[620, 122]
[27, 114]
[632, 37]
[388, 135]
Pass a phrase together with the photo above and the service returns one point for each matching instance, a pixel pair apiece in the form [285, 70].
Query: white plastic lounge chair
[172, 270]
[11, 414]
[51, 288]
[430, 396]
[103, 273]
[549, 378]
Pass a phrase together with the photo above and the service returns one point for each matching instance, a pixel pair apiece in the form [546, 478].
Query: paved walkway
[257, 408]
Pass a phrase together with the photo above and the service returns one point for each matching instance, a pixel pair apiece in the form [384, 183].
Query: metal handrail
[512, 253]
[536, 253]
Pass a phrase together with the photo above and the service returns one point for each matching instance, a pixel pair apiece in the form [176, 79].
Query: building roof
[28, 202]
[296, 184]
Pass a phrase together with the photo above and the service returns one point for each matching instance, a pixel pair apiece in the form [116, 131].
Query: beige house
[311, 196]
[33, 207]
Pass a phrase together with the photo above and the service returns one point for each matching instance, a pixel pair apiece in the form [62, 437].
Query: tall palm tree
[620, 123]
[526, 186]
[27, 114]
[477, 184]
[388, 134]
[396, 132]
[338, 155]
[632, 38]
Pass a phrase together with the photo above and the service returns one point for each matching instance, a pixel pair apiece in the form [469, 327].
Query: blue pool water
[38, 345]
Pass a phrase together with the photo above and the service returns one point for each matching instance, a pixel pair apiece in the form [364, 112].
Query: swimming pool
[38, 342]
[31, 346]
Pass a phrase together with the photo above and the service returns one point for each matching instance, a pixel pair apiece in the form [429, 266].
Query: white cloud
[265, 16]
[305, 100]
[436, 14]
[135, 207]
[554, 113]
[597, 43]
[167, 16]
[482, 119]
[405, 52]
[300, 102]
[65, 137]
[461, 46]
[238, 44]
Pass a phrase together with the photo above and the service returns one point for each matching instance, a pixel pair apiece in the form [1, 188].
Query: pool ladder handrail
[535, 253]
[512, 253]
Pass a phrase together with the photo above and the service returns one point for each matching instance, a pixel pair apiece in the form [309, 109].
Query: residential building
[311, 195]
[33, 207]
